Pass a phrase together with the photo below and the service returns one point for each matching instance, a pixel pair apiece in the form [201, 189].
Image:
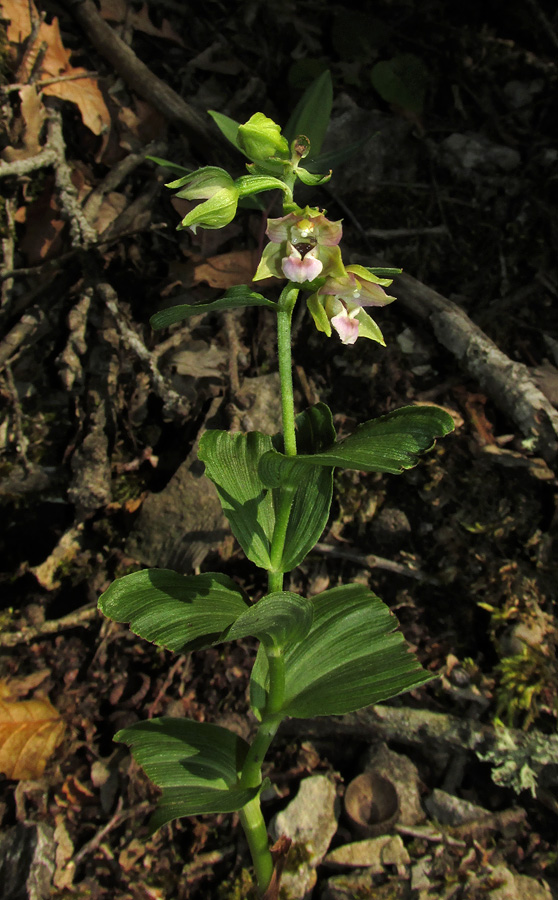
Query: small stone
[374, 854]
[450, 810]
[310, 820]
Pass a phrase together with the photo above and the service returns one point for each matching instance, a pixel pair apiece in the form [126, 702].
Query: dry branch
[521, 760]
[137, 75]
[508, 383]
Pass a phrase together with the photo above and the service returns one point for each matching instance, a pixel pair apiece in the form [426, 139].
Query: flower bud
[260, 138]
[217, 189]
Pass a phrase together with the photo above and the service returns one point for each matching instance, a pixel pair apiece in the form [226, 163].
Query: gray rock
[310, 820]
[474, 152]
[450, 810]
[373, 854]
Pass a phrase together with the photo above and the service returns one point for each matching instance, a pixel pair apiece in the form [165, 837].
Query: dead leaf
[83, 92]
[111, 207]
[32, 115]
[13, 688]
[228, 269]
[30, 731]
[42, 238]
[119, 11]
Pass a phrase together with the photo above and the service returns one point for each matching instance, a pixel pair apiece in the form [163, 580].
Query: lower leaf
[195, 764]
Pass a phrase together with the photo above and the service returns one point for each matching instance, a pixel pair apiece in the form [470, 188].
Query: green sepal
[391, 443]
[310, 178]
[254, 184]
[382, 272]
[352, 656]
[278, 618]
[178, 612]
[235, 297]
[195, 764]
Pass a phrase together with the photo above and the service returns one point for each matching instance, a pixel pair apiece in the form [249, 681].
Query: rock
[516, 887]
[27, 862]
[404, 775]
[464, 153]
[347, 887]
[374, 854]
[450, 810]
[310, 820]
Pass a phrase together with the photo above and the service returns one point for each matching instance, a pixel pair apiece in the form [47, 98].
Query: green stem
[286, 305]
[253, 823]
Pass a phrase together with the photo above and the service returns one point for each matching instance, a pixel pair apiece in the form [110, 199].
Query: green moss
[242, 888]
[527, 686]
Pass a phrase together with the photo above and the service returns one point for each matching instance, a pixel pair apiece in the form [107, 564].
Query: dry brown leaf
[42, 238]
[113, 204]
[32, 115]
[228, 269]
[119, 11]
[30, 731]
[84, 92]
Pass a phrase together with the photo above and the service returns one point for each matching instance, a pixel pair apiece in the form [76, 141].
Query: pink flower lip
[299, 268]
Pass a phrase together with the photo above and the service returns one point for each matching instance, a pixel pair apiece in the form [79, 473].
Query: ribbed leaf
[391, 443]
[232, 462]
[351, 657]
[237, 296]
[194, 763]
[227, 126]
[278, 618]
[179, 612]
[312, 113]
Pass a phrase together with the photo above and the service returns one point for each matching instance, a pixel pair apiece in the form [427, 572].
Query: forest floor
[457, 185]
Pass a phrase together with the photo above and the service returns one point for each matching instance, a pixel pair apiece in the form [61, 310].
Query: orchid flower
[302, 247]
[341, 300]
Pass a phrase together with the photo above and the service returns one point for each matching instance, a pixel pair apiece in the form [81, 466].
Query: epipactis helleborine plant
[329, 654]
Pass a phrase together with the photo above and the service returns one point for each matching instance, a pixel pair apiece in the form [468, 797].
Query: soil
[98, 469]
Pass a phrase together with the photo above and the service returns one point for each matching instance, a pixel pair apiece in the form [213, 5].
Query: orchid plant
[328, 654]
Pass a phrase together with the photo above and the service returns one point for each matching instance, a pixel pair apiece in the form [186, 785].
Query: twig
[232, 338]
[75, 619]
[9, 88]
[137, 75]
[117, 175]
[173, 401]
[18, 167]
[21, 441]
[81, 230]
[119, 816]
[390, 234]
[508, 383]
[20, 333]
[375, 562]
[8, 249]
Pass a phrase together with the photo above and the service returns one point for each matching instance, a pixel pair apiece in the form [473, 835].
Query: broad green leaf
[240, 295]
[312, 113]
[227, 126]
[179, 612]
[351, 657]
[311, 178]
[195, 764]
[402, 81]
[276, 619]
[232, 462]
[391, 443]
[167, 164]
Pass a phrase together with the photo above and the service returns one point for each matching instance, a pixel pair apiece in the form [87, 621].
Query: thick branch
[508, 383]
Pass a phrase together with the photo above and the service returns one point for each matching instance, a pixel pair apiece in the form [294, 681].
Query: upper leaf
[351, 657]
[232, 462]
[240, 295]
[276, 619]
[227, 126]
[194, 763]
[312, 113]
[179, 612]
[390, 443]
